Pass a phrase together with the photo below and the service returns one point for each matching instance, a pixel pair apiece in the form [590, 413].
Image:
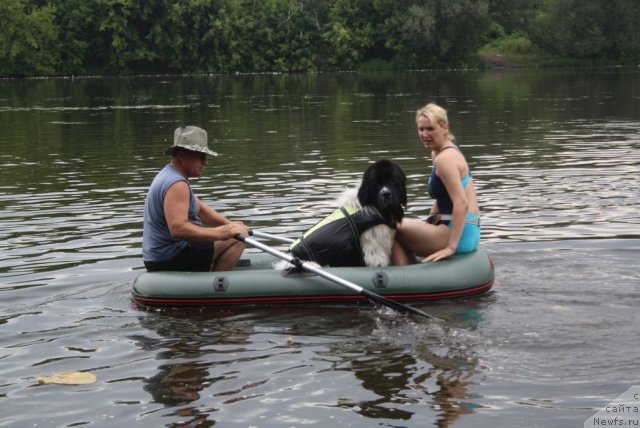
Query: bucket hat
[190, 138]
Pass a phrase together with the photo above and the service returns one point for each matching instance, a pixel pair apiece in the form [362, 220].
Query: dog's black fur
[381, 199]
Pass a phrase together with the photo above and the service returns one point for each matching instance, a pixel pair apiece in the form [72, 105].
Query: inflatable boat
[255, 282]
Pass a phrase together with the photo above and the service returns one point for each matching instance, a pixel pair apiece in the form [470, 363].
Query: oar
[331, 277]
[270, 236]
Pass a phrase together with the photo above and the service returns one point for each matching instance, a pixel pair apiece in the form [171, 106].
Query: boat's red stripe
[261, 300]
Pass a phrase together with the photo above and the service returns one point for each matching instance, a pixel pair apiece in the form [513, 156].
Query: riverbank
[519, 52]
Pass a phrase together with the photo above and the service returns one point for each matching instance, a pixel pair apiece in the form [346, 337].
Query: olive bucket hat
[190, 138]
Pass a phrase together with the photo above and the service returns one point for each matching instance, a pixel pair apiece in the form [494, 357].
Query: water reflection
[183, 372]
[406, 382]
[212, 365]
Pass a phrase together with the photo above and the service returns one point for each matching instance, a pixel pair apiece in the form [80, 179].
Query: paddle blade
[405, 309]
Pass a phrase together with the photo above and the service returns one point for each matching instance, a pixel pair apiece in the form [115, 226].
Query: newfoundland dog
[362, 230]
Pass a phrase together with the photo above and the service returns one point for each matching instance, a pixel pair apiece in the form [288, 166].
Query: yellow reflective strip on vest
[336, 215]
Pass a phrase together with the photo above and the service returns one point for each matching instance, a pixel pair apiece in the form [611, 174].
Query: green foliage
[513, 15]
[445, 31]
[285, 37]
[350, 33]
[588, 29]
[512, 50]
[28, 39]
[48, 37]
[76, 19]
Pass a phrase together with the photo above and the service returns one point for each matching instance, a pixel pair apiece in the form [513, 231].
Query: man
[181, 233]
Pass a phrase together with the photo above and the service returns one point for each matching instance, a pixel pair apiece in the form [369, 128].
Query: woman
[453, 225]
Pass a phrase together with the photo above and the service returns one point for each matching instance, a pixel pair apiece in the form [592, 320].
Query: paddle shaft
[272, 237]
[331, 277]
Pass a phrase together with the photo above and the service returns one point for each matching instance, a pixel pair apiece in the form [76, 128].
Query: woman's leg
[400, 256]
[417, 238]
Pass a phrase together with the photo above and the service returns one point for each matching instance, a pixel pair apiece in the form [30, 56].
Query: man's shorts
[195, 257]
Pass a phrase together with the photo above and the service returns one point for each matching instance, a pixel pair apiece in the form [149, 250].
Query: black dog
[361, 232]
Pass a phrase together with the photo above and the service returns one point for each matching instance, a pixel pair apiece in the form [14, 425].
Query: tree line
[113, 37]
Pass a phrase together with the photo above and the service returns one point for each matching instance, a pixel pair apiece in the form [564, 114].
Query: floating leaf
[68, 378]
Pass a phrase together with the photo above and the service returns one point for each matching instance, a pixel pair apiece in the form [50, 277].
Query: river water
[556, 159]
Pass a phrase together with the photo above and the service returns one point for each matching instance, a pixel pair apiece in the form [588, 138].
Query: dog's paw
[282, 265]
[314, 264]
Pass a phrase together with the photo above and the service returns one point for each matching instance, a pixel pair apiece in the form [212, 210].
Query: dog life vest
[335, 241]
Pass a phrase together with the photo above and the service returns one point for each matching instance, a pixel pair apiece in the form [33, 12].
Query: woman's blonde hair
[434, 113]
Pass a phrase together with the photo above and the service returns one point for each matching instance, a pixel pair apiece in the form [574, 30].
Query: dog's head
[384, 187]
